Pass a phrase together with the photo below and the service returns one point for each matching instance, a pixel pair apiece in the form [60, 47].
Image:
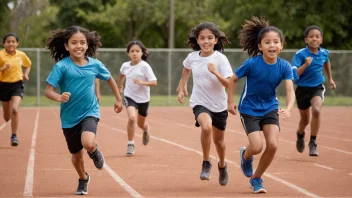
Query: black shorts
[218, 119]
[142, 107]
[7, 90]
[252, 123]
[305, 94]
[73, 135]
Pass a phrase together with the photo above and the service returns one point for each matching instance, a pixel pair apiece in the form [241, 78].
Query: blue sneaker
[14, 140]
[246, 165]
[256, 185]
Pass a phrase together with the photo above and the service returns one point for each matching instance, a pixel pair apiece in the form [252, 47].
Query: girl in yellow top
[11, 81]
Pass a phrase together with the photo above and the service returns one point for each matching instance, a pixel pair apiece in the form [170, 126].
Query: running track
[170, 165]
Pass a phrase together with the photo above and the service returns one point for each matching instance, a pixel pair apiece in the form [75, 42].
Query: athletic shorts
[73, 135]
[305, 94]
[7, 90]
[142, 107]
[253, 123]
[218, 119]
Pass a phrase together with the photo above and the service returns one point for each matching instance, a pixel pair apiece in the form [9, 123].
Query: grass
[172, 101]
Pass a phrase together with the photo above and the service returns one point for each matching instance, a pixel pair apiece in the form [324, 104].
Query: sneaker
[257, 185]
[223, 176]
[206, 166]
[97, 158]
[130, 149]
[146, 137]
[313, 149]
[246, 165]
[14, 140]
[83, 186]
[300, 143]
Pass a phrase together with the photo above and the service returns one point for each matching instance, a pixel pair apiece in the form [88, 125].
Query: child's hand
[185, 92]
[98, 98]
[232, 108]
[212, 68]
[284, 113]
[25, 77]
[118, 106]
[5, 67]
[309, 60]
[180, 96]
[137, 81]
[332, 84]
[65, 97]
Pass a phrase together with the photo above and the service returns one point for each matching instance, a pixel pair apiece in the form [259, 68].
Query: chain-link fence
[167, 66]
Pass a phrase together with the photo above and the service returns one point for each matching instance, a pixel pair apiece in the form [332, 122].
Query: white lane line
[334, 138]
[119, 180]
[350, 174]
[297, 188]
[322, 166]
[28, 187]
[3, 125]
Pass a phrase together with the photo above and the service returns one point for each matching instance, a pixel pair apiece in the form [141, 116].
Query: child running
[211, 70]
[139, 76]
[258, 105]
[310, 90]
[11, 81]
[75, 73]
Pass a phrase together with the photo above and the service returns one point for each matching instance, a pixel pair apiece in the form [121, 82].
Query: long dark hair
[253, 32]
[141, 45]
[58, 38]
[194, 33]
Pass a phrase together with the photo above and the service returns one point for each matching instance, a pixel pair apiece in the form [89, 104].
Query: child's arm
[147, 83]
[185, 75]
[231, 106]
[212, 69]
[303, 67]
[120, 82]
[5, 67]
[327, 67]
[52, 95]
[26, 73]
[97, 89]
[118, 104]
[290, 100]
[184, 88]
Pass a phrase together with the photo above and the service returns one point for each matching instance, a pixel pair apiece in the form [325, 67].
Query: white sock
[131, 142]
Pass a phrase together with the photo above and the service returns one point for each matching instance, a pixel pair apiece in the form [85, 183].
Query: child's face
[77, 45]
[135, 53]
[10, 44]
[271, 46]
[206, 40]
[314, 39]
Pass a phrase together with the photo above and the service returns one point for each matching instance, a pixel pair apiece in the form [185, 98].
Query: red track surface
[170, 165]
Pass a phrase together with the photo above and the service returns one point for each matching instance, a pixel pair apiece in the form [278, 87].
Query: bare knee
[315, 112]
[89, 146]
[14, 112]
[132, 119]
[271, 146]
[305, 121]
[206, 130]
[219, 143]
[256, 149]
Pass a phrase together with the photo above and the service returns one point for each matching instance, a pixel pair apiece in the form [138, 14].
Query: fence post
[38, 77]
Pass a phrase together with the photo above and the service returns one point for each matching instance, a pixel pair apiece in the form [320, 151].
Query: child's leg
[317, 103]
[131, 124]
[205, 123]
[15, 103]
[271, 133]
[218, 139]
[78, 163]
[88, 141]
[304, 120]
[255, 145]
[6, 108]
[142, 124]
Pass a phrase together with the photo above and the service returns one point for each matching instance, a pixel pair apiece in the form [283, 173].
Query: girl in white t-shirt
[211, 70]
[139, 76]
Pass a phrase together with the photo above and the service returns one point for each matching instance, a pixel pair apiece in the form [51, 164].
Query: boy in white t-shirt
[139, 76]
[211, 70]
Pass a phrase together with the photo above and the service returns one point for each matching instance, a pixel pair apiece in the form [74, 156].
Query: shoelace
[247, 163]
[95, 157]
[206, 166]
[257, 182]
[81, 184]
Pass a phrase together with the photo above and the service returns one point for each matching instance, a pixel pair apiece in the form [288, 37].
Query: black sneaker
[14, 141]
[223, 176]
[206, 166]
[97, 158]
[82, 188]
[313, 149]
[146, 137]
[300, 143]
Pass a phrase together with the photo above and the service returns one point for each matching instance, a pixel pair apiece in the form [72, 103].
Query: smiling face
[314, 39]
[206, 40]
[77, 46]
[10, 44]
[271, 45]
[135, 53]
